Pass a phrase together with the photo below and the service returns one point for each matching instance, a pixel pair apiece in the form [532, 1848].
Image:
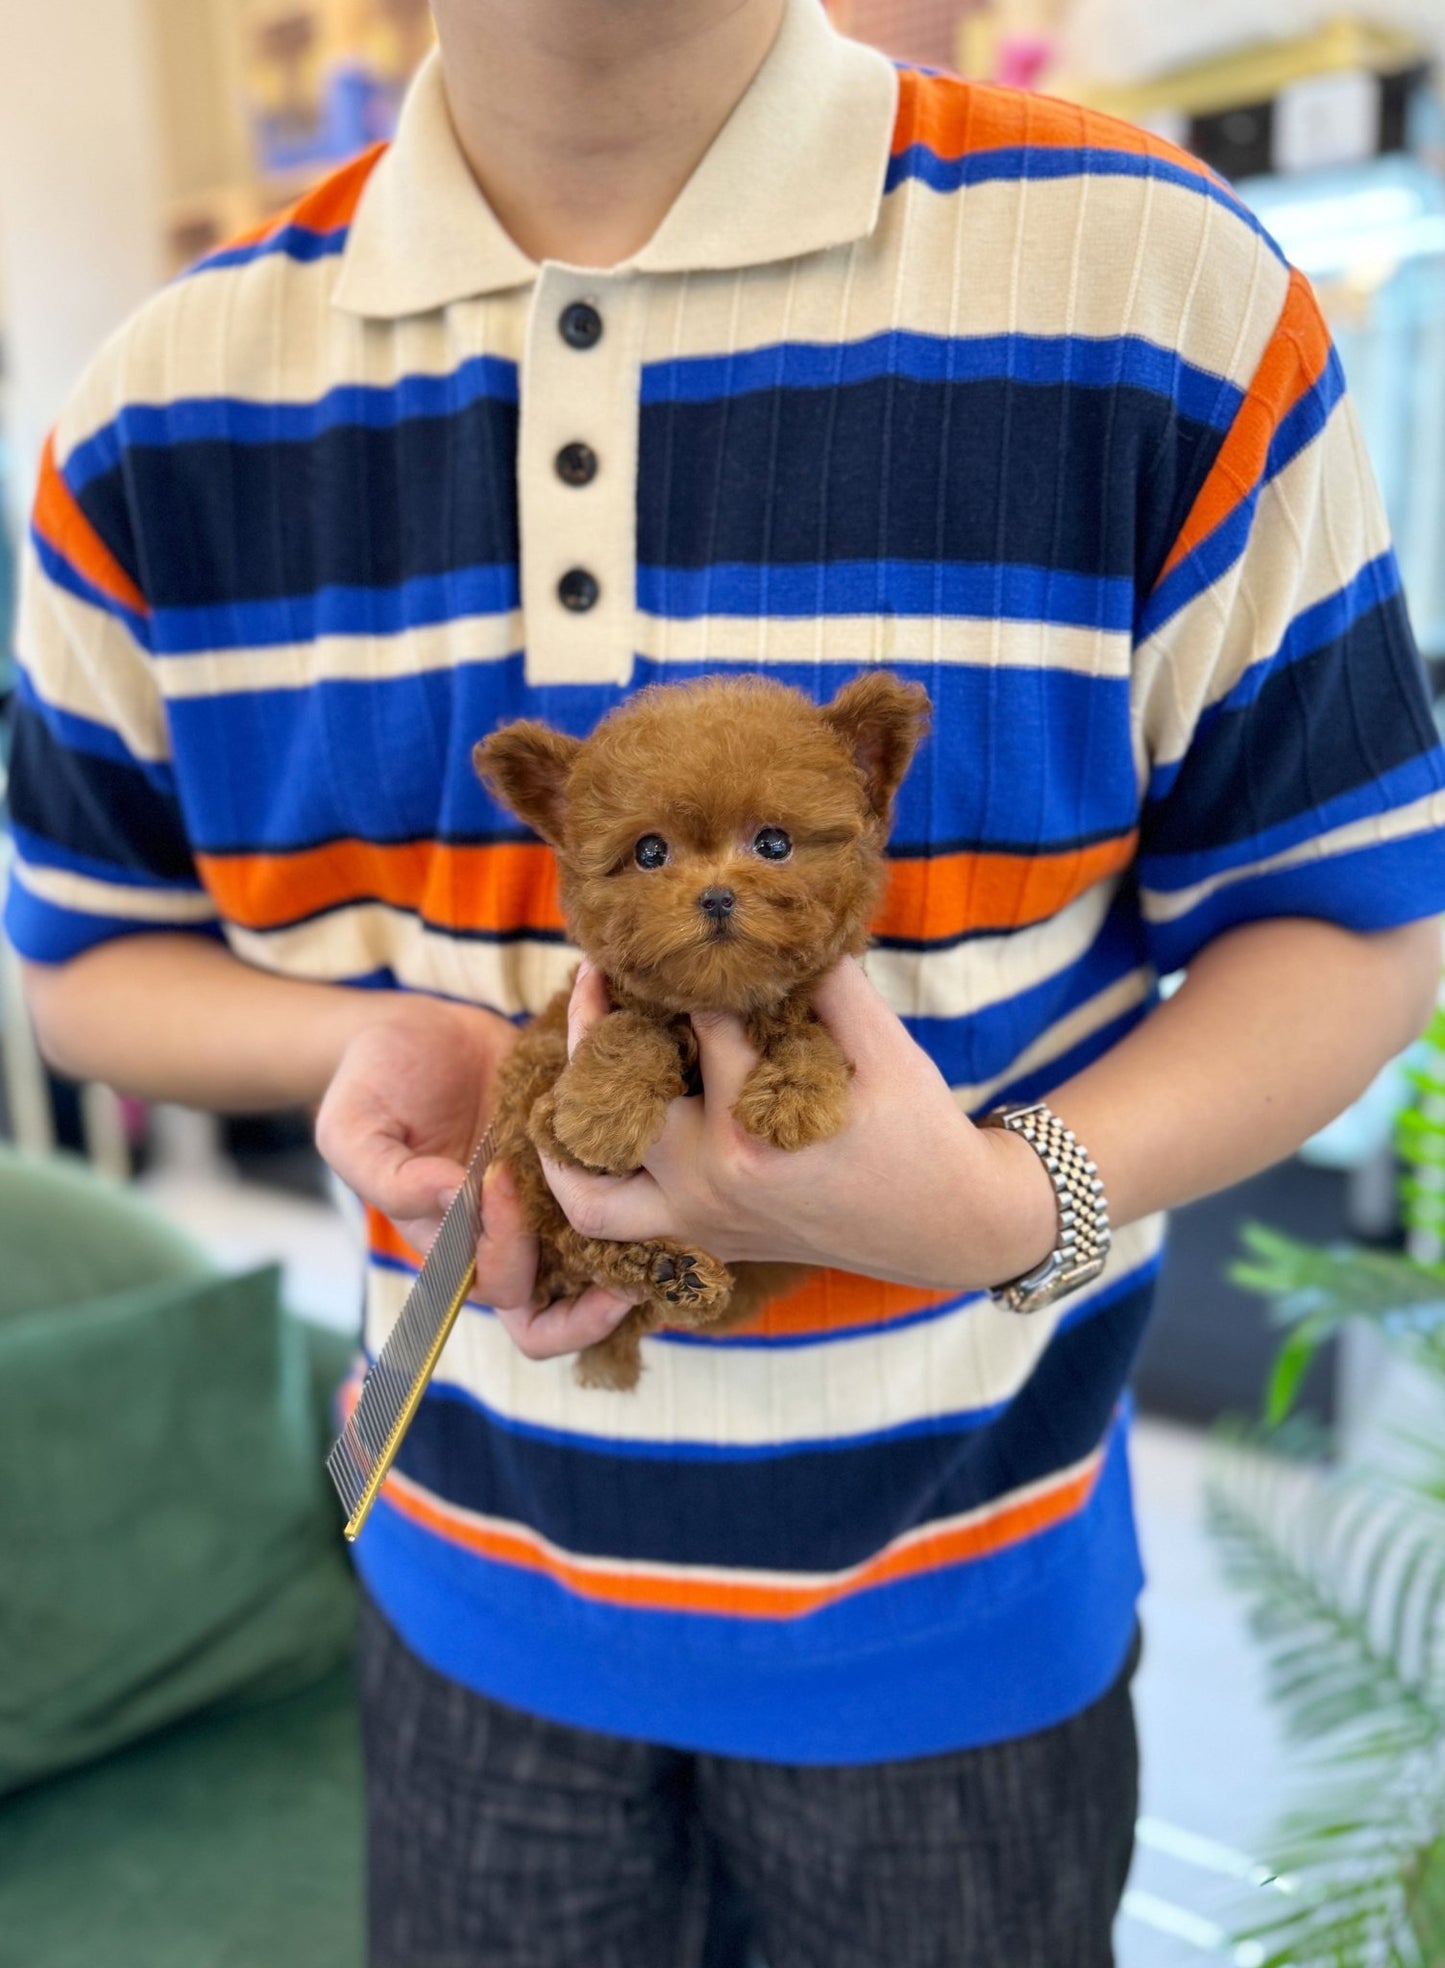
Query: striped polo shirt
[1006, 396]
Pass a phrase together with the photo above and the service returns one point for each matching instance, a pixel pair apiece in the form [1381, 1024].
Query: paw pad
[680, 1276]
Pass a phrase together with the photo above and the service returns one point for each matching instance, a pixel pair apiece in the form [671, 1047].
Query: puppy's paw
[694, 1286]
[792, 1110]
[613, 1138]
[542, 1131]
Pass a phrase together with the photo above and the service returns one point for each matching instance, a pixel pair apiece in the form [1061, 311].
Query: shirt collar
[798, 167]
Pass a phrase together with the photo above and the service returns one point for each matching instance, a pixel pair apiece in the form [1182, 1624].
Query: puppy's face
[720, 844]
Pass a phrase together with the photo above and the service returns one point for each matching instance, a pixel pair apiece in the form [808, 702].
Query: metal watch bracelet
[1084, 1235]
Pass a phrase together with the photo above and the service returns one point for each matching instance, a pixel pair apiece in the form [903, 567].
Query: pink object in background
[1022, 59]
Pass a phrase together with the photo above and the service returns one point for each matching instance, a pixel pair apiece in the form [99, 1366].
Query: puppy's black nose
[717, 903]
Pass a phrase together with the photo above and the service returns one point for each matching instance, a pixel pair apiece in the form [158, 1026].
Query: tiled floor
[1213, 1763]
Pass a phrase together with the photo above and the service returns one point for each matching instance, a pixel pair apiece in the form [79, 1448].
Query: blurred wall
[80, 187]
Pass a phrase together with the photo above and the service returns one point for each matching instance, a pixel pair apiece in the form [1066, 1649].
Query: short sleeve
[100, 847]
[1290, 757]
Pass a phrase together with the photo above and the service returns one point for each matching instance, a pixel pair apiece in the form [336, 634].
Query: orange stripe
[957, 119]
[513, 886]
[62, 525]
[1289, 369]
[825, 1302]
[746, 1598]
[507, 886]
[325, 208]
[947, 895]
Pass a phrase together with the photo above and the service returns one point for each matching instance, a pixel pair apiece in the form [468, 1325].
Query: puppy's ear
[880, 719]
[526, 765]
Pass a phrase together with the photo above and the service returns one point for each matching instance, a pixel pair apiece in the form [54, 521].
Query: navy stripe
[94, 806]
[391, 761]
[75, 733]
[816, 1509]
[1324, 725]
[1089, 361]
[1089, 481]
[191, 420]
[983, 1651]
[1415, 780]
[357, 506]
[1010, 163]
[1377, 582]
[421, 602]
[37, 851]
[1371, 888]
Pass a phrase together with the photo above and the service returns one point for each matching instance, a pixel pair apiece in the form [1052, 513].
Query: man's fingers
[588, 1003]
[567, 1325]
[859, 1017]
[506, 1250]
[726, 1056]
[619, 1209]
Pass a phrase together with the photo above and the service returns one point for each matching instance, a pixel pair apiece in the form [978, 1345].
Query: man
[673, 336]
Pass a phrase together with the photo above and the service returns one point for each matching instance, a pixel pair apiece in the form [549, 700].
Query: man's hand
[407, 1104]
[910, 1190]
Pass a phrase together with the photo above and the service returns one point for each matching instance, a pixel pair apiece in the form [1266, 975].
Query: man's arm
[1278, 1026]
[404, 1080]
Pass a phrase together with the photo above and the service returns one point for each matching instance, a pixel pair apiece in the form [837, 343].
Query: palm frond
[1346, 1578]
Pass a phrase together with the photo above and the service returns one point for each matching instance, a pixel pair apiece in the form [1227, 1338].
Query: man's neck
[583, 119]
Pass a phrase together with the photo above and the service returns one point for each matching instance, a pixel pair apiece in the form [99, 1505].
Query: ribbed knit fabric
[1001, 394]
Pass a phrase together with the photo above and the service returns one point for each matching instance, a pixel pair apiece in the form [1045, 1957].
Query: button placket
[576, 495]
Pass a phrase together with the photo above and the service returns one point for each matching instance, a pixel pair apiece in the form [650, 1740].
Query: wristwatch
[1083, 1242]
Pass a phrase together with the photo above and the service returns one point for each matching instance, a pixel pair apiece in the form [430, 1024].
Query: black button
[578, 590]
[576, 464]
[581, 325]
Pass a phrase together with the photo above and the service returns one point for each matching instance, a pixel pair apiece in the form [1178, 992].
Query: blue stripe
[1370, 888]
[1012, 162]
[391, 761]
[46, 932]
[1040, 1081]
[415, 604]
[1092, 362]
[296, 242]
[909, 588]
[1300, 426]
[59, 570]
[83, 734]
[236, 420]
[1165, 874]
[983, 1652]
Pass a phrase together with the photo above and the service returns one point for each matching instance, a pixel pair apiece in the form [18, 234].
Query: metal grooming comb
[397, 1378]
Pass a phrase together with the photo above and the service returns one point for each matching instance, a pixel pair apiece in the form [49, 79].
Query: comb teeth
[397, 1378]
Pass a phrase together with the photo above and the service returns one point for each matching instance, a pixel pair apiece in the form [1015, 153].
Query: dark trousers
[497, 1840]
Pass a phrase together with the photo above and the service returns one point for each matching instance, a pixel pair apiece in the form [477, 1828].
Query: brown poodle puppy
[720, 846]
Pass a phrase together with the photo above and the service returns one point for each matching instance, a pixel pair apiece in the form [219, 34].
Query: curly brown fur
[716, 771]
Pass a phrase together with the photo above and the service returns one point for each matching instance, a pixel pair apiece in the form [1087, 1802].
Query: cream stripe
[720, 642]
[1062, 1037]
[82, 660]
[974, 1357]
[102, 898]
[989, 970]
[631, 1568]
[175, 350]
[521, 975]
[1316, 526]
[1419, 817]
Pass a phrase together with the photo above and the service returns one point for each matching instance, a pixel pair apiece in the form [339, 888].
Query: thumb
[386, 1171]
[726, 1055]
[862, 1021]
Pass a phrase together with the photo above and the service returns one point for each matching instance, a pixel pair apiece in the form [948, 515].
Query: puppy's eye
[650, 851]
[772, 844]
